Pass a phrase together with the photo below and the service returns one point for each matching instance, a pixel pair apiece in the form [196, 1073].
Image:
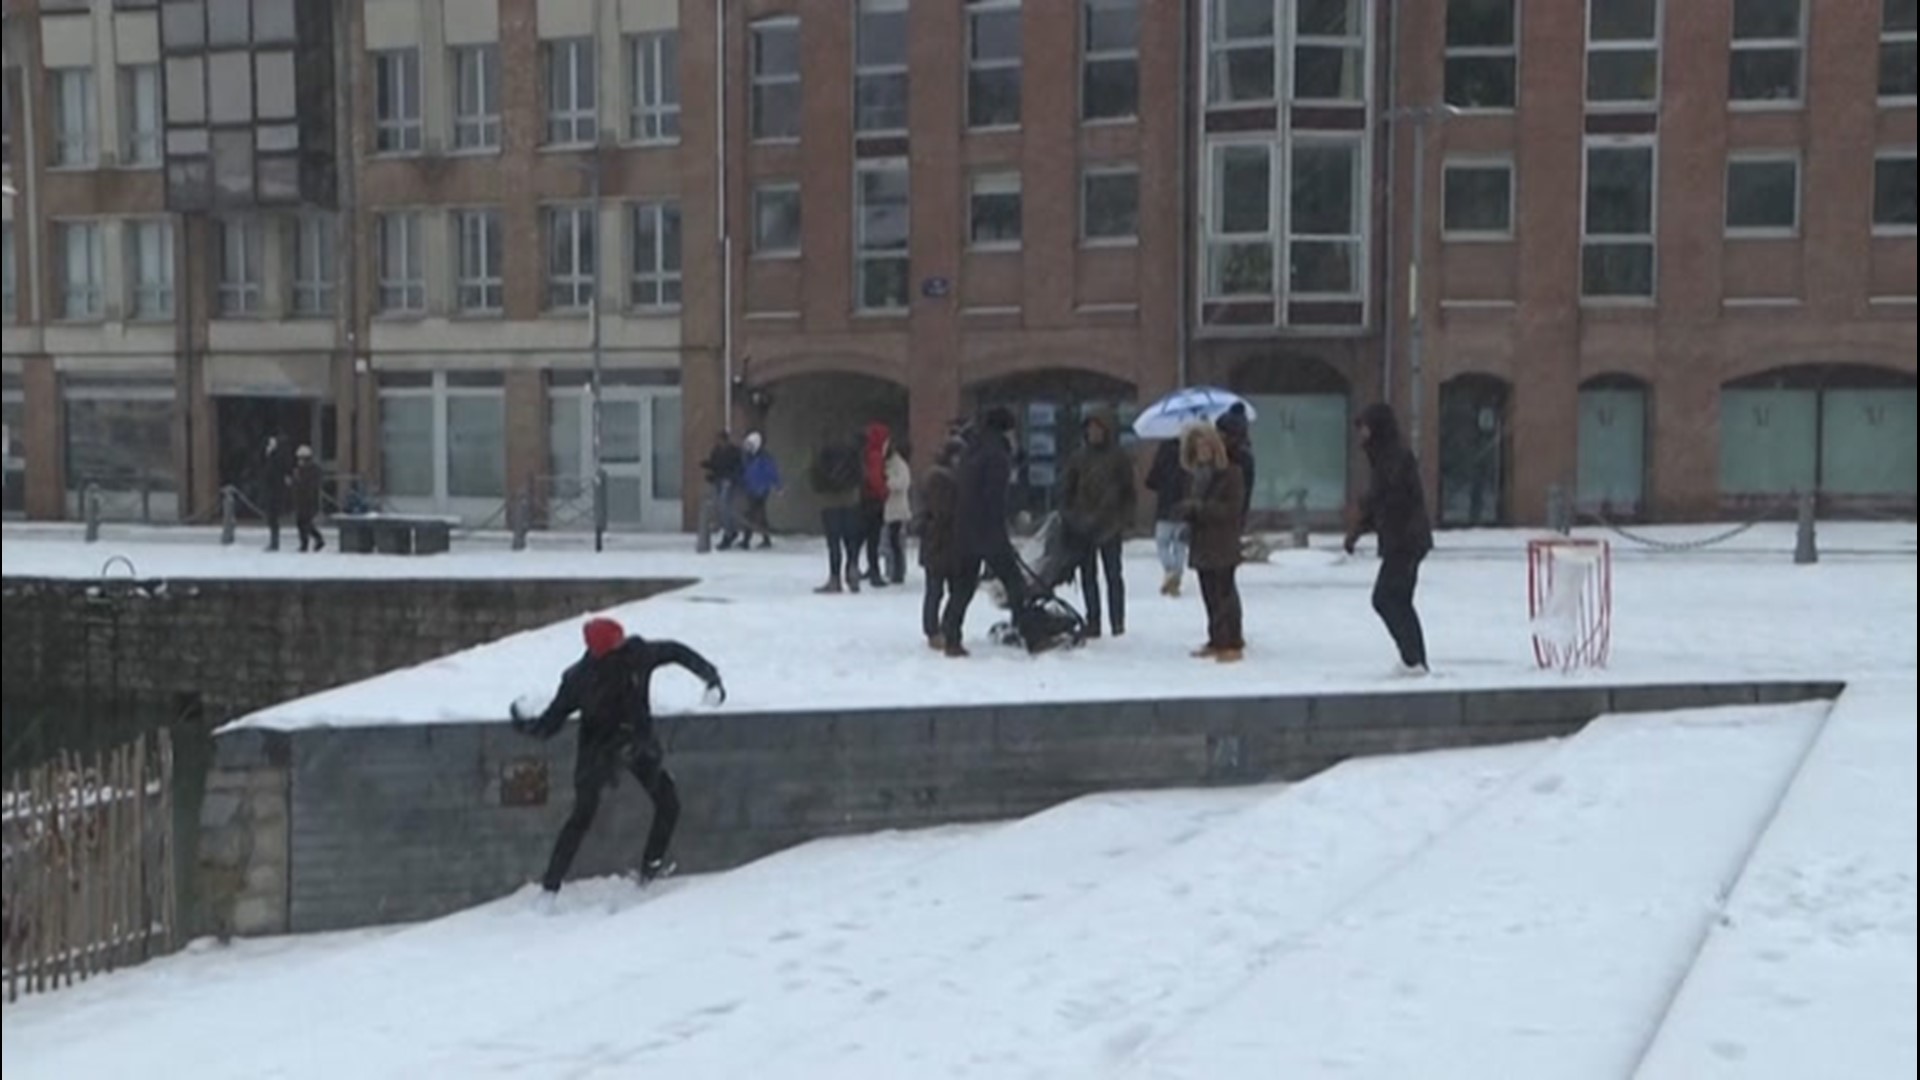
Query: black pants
[872, 519]
[1221, 594]
[593, 772]
[1002, 564]
[756, 520]
[309, 533]
[273, 527]
[896, 545]
[1393, 601]
[939, 588]
[840, 523]
[1105, 555]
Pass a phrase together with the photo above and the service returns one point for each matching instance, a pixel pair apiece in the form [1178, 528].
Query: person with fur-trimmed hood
[1215, 494]
[1394, 509]
[1097, 498]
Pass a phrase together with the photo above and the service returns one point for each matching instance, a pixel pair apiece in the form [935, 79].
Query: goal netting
[1570, 602]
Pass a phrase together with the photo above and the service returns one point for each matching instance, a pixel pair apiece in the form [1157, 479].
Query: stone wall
[413, 821]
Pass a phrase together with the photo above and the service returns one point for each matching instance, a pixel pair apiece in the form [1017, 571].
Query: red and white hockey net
[1570, 602]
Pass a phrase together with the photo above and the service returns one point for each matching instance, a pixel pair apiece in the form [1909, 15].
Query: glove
[1347, 545]
[716, 694]
[520, 721]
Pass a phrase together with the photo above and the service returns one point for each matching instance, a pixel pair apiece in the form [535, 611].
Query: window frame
[1218, 45]
[1763, 232]
[313, 260]
[475, 132]
[73, 148]
[653, 100]
[661, 277]
[481, 293]
[92, 291]
[1479, 162]
[581, 277]
[1624, 45]
[404, 132]
[1212, 236]
[1354, 43]
[1355, 238]
[1089, 56]
[1510, 53]
[240, 292]
[995, 183]
[1891, 38]
[439, 389]
[759, 251]
[757, 81]
[863, 254]
[1651, 238]
[148, 301]
[888, 71]
[981, 9]
[562, 121]
[1798, 44]
[1888, 153]
[400, 292]
[1091, 172]
[141, 148]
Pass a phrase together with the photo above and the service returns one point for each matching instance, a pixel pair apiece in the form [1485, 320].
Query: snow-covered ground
[1524, 911]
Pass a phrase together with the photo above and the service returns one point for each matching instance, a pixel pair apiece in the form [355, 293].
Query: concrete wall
[332, 828]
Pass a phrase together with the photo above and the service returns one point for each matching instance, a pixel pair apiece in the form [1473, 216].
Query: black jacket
[276, 469]
[725, 464]
[1233, 428]
[980, 511]
[1167, 479]
[613, 693]
[1395, 505]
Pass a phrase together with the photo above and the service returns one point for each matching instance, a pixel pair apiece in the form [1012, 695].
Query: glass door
[639, 451]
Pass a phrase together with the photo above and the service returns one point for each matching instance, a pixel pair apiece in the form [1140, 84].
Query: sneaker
[654, 869]
[832, 586]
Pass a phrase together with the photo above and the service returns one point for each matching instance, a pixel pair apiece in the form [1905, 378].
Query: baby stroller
[1043, 621]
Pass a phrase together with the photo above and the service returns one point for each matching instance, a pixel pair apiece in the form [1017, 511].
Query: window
[476, 425]
[1109, 59]
[1616, 250]
[1329, 50]
[1240, 51]
[140, 114]
[241, 273]
[1240, 221]
[1623, 53]
[655, 251]
[313, 265]
[880, 67]
[9, 275]
[443, 436]
[478, 287]
[1323, 216]
[1477, 199]
[775, 104]
[118, 433]
[1109, 205]
[476, 97]
[1766, 51]
[653, 87]
[80, 264]
[572, 253]
[993, 63]
[994, 211]
[73, 116]
[402, 275]
[396, 101]
[1897, 53]
[1893, 192]
[150, 268]
[776, 219]
[1763, 195]
[572, 94]
[1482, 53]
[881, 226]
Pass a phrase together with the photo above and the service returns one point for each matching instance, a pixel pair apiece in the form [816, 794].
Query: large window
[775, 106]
[1477, 199]
[313, 265]
[443, 436]
[119, 435]
[240, 284]
[993, 63]
[572, 92]
[74, 112]
[402, 264]
[396, 101]
[1240, 222]
[654, 249]
[1893, 192]
[1330, 50]
[1763, 195]
[149, 252]
[1323, 245]
[1623, 53]
[140, 114]
[1897, 50]
[1109, 205]
[476, 97]
[478, 288]
[994, 211]
[1767, 36]
[776, 219]
[1241, 41]
[653, 87]
[1109, 59]
[573, 248]
[881, 229]
[1617, 242]
[81, 272]
[1482, 53]
[880, 67]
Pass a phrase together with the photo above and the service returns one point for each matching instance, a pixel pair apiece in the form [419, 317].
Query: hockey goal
[1570, 602]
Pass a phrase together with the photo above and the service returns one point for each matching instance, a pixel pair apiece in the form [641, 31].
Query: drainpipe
[1389, 313]
[721, 233]
[1181, 230]
[346, 233]
[29, 187]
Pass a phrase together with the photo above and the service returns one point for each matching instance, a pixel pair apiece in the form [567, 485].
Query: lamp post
[1419, 116]
[595, 401]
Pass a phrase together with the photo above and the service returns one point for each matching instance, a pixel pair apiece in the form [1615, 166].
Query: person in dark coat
[1239, 440]
[980, 532]
[724, 466]
[1215, 495]
[1395, 510]
[306, 498]
[1168, 482]
[276, 473]
[939, 499]
[836, 480]
[610, 688]
[1098, 499]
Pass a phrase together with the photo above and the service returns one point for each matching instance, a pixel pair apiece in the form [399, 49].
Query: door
[1473, 451]
[243, 425]
[639, 453]
[1769, 441]
[1300, 444]
[1613, 450]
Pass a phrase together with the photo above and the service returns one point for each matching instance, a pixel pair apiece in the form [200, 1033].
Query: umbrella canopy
[1165, 418]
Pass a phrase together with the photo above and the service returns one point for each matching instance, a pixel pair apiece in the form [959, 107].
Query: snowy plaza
[1721, 892]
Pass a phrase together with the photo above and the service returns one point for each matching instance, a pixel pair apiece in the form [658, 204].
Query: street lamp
[597, 471]
[1419, 116]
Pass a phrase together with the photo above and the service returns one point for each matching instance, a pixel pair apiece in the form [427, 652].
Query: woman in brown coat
[1213, 505]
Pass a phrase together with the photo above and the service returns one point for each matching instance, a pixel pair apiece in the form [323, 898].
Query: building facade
[1658, 255]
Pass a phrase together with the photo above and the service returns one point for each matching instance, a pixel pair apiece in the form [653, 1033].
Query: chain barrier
[1760, 516]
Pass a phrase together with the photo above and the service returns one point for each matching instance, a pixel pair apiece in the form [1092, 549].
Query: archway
[1845, 432]
[1473, 450]
[1049, 408]
[1301, 441]
[1612, 471]
[801, 414]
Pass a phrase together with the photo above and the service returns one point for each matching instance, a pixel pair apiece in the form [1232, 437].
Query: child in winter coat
[899, 510]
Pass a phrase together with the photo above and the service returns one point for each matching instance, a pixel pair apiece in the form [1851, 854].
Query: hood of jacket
[1108, 421]
[1383, 427]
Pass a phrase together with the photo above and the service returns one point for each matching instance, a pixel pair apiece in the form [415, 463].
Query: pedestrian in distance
[836, 482]
[276, 477]
[306, 499]
[939, 555]
[610, 689]
[899, 510]
[724, 467]
[1395, 510]
[1098, 499]
[1215, 494]
[760, 477]
[980, 533]
[1168, 482]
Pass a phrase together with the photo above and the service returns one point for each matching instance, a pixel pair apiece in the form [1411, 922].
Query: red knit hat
[603, 636]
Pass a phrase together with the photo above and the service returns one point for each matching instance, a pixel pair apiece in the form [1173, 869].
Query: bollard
[229, 516]
[90, 509]
[1559, 511]
[519, 519]
[1301, 536]
[1806, 551]
[703, 539]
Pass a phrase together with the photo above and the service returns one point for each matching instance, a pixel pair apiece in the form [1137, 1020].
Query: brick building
[1666, 253]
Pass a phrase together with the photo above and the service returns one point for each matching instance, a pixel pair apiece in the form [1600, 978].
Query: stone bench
[394, 534]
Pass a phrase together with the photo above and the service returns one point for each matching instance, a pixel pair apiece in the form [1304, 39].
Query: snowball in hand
[528, 706]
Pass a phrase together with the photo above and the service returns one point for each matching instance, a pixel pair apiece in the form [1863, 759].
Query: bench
[394, 534]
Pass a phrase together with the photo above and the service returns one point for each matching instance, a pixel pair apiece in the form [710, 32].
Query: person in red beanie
[610, 688]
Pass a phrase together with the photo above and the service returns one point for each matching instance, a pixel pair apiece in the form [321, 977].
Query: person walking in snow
[610, 689]
[1168, 482]
[723, 467]
[899, 509]
[1098, 498]
[873, 496]
[939, 558]
[980, 532]
[836, 481]
[1395, 510]
[306, 498]
[276, 473]
[1215, 494]
[760, 477]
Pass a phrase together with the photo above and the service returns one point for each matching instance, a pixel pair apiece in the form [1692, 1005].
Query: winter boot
[1229, 656]
[654, 869]
[955, 651]
[766, 542]
[1204, 652]
[831, 587]
[726, 542]
[853, 582]
[936, 643]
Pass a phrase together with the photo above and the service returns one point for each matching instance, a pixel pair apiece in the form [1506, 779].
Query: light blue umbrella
[1164, 419]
